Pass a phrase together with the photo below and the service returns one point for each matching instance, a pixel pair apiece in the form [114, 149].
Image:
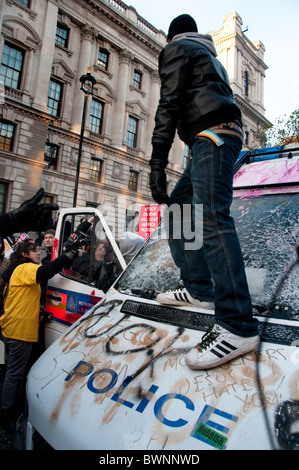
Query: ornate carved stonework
[125, 56]
[117, 170]
[88, 32]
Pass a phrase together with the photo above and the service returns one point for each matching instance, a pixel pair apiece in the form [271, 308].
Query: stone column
[239, 69]
[120, 102]
[1, 13]
[46, 57]
[153, 102]
[28, 77]
[87, 36]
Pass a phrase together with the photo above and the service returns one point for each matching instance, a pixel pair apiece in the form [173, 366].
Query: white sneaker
[181, 297]
[218, 346]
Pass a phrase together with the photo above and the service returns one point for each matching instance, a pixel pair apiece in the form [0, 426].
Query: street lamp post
[87, 84]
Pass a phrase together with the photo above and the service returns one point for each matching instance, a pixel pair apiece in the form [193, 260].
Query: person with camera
[20, 321]
[82, 262]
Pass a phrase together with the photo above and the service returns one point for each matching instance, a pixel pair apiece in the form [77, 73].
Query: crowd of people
[22, 282]
[23, 287]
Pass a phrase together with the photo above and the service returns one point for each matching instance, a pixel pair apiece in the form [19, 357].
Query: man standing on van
[197, 101]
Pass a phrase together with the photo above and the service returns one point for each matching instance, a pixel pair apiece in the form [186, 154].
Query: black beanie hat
[181, 24]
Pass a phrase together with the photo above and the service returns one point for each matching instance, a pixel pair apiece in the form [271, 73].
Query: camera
[82, 240]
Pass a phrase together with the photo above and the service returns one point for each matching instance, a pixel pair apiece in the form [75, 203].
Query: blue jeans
[208, 180]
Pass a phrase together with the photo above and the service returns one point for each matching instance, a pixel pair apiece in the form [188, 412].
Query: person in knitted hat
[196, 100]
[181, 24]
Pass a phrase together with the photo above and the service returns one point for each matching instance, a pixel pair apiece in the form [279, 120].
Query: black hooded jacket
[195, 92]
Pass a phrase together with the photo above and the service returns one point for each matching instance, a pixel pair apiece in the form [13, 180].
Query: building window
[132, 220]
[51, 154]
[103, 58]
[25, 3]
[246, 84]
[133, 180]
[6, 135]
[137, 79]
[11, 66]
[62, 34]
[3, 196]
[96, 116]
[132, 132]
[96, 169]
[91, 204]
[54, 98]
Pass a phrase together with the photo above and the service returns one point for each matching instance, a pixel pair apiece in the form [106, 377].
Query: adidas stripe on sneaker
[218, 346]
[223, 349]
[181, 297]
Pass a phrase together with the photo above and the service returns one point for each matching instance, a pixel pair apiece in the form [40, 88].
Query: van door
[99, 263]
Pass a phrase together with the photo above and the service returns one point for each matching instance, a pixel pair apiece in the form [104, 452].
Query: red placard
[149, 219]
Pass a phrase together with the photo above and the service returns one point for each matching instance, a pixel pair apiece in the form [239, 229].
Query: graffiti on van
[159, 351]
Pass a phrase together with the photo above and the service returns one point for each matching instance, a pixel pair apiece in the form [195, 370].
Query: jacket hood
[130, 243]
[8, 272]
[203, 39]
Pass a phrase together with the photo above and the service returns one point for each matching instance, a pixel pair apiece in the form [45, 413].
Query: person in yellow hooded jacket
[20, 320]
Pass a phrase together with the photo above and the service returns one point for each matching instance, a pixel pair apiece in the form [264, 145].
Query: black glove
[30, 215]
[71, 248]
[157, 181]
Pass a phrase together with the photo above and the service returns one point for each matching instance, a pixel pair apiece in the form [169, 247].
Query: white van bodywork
[117, 379]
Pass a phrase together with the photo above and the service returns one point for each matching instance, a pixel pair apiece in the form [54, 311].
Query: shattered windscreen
[268, 228]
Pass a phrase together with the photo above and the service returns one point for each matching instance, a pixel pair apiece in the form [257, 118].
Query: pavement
[11, 441]
[5, 441]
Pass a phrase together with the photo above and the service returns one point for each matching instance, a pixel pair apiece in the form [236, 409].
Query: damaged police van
[117, 378]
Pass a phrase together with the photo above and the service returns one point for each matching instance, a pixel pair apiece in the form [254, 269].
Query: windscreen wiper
[149, 294]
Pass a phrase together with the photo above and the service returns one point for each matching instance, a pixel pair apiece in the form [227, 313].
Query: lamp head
[87, 82]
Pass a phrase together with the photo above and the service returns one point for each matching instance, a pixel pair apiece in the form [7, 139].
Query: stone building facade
[244, 62]
[45, 48]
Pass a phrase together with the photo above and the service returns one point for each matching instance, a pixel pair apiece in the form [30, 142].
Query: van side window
[97, 264]
[105, 265]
